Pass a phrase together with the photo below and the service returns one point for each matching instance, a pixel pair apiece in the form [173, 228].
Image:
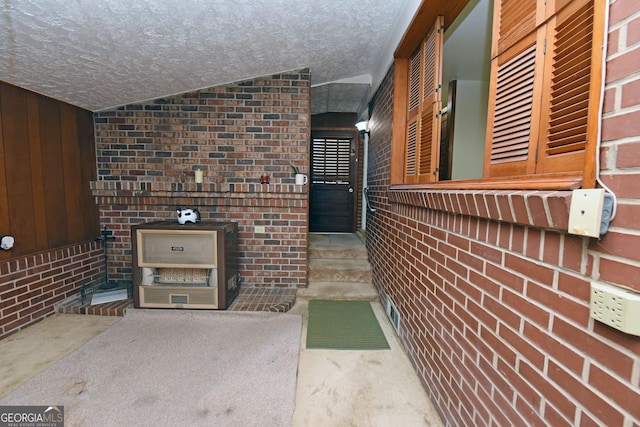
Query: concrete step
[337, 252]
[339, 270]
[338, 290]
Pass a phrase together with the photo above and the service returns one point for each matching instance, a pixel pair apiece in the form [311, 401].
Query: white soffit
[99, 54]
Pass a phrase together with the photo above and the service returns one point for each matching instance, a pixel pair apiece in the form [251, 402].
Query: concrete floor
[335, 387]
[359, 388]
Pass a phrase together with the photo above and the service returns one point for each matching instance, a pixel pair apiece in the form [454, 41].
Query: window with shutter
[423, 107]
[568, 119]
[541, 94]
[544, 91]
[331, 160]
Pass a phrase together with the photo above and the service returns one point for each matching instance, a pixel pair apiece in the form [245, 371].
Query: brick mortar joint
[436, 200]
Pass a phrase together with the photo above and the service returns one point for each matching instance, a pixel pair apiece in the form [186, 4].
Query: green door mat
[344, 325]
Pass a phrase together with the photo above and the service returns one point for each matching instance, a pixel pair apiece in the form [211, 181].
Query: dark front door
[331, 199]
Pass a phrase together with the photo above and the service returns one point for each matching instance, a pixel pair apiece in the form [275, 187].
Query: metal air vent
[179, 299]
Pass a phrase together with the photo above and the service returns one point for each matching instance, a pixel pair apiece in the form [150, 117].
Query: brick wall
[32, 285]
[494, 301]
[148, 153]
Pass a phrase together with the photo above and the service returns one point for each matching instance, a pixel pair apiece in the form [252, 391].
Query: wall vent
[392, 313]
[179, 299]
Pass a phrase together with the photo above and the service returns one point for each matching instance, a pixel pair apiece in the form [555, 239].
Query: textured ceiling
[339, 97]
[99, 54]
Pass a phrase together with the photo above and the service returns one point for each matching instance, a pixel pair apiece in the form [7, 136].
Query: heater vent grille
[179, 299]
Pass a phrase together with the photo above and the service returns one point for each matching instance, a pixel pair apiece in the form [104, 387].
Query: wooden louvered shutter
[431, 103]
[543, 91]
[331, 159]
[411, 153]
[423, 110]
[516, 20]
[573, 89]
[517, 60]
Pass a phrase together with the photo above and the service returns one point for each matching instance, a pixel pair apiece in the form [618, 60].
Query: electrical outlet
[259, 229]
[585, 213]
[616, 307]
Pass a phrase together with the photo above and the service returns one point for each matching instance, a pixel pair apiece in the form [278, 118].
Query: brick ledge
[179, 194]
[180, 189]
[543, 209]
[279, 300]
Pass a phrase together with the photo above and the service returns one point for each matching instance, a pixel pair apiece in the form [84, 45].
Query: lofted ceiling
[100, 54]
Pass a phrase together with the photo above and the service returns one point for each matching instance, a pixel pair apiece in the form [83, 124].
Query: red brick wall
[494, 294]
[148, 152]
[32, 285]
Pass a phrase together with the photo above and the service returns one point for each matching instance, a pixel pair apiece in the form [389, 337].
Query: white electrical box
[616, 307]
[585, 212]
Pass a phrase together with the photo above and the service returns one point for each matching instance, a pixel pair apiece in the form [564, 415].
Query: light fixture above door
[363, 127]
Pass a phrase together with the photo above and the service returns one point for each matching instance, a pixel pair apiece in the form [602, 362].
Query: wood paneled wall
[47, 159]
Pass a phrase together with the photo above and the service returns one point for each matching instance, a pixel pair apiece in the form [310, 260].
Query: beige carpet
[172, 367]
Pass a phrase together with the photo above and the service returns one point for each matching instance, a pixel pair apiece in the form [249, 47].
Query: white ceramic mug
[301, 179]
